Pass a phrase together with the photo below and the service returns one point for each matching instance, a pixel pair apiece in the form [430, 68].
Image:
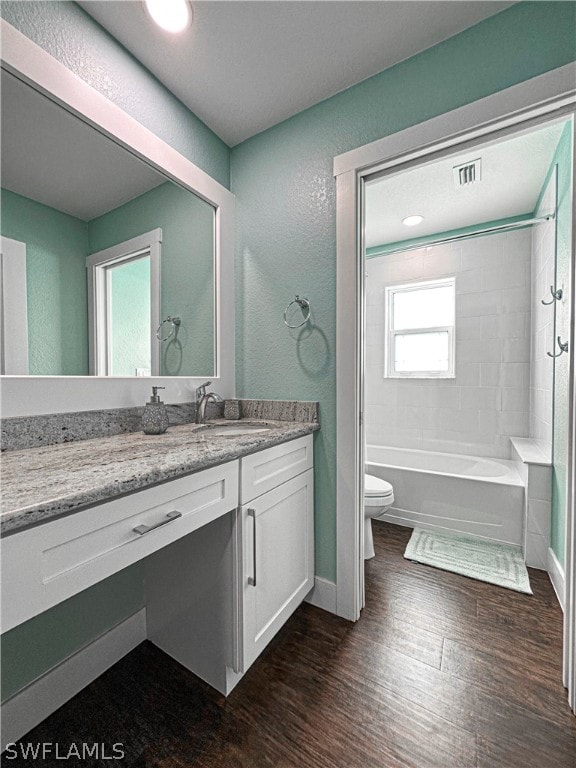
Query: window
[420, 330]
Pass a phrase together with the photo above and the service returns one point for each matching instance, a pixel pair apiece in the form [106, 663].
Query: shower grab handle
[563, 348]
[556, 296]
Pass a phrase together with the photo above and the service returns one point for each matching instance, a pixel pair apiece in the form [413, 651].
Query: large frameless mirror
[108, 267]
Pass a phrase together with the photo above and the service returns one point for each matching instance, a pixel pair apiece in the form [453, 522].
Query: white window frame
[391, 332]
[97, 264]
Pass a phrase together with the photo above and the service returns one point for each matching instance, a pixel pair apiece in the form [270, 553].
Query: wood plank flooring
[440, 672]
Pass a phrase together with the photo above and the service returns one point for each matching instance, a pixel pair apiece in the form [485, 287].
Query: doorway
[488, 120]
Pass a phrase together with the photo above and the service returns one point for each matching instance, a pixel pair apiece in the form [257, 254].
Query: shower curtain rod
[488, 230]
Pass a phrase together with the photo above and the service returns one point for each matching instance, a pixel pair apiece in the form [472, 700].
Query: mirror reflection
[107, 267]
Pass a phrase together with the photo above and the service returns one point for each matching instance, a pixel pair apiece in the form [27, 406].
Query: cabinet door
[277, 560]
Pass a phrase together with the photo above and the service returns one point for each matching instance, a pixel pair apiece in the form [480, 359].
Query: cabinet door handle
[252, 579]
[142, 529]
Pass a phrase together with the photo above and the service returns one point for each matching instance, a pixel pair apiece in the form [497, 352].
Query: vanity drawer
[262, 471]
[56, 560]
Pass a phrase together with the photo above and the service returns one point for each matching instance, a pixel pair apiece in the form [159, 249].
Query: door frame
[13, 308]
[524, 105]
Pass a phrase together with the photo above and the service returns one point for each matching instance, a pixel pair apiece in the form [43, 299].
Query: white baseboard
[323, 595]
[556, 573]
[28, 707]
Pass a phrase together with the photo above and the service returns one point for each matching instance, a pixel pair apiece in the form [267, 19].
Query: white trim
[28, 707]
[13, 308]
[512, 106]
[323, 594]
[390, 333]
[569, 667]
[23, 396]
[150, 243]
[540, 98]
[556, 573]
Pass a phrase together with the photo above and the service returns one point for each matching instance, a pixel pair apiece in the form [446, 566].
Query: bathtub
[450, 492]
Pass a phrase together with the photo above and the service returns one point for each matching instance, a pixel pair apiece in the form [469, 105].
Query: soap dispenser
[155, 416]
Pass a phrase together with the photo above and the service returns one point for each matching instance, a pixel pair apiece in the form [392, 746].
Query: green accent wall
[56, 250]
[65, 31]
[187, 268]
[36, 646]
[286, 207]
[130, 316]
[382, 250]
[563, 160]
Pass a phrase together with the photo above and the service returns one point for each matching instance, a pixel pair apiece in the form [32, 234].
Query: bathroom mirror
[100, 299]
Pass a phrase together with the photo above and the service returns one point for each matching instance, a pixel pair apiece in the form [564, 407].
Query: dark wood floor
[440, 671]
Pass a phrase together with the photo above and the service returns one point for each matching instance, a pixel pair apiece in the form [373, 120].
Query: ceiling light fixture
[170, 15]
[411, 221]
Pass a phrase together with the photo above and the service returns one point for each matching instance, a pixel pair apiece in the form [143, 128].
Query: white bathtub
[448, 492]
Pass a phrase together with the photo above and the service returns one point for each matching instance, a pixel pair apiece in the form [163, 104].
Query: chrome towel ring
[304, 305]
[174, 322]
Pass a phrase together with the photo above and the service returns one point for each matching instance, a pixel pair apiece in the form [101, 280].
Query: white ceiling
[244, 66]
[54, 158]
[513, 172]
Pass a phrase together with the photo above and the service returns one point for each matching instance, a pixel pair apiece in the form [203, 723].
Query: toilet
[378, 498]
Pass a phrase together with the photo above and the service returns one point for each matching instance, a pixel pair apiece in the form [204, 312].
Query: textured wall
[74, 38]
[56, 250]
[563, 159]
[187, 266]
[36, 646]
[286, 207]
[487, 402]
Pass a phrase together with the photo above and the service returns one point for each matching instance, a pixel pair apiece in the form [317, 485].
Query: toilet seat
[374, 486]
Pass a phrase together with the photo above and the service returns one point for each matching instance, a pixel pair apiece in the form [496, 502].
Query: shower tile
[516, 350]
[490, 374]
[480, 399]
[467, 374]
[468, 328]
[483, 351]
[479, 304]
[515, 300]
[513, 423]
[539, 513]
[515, 399]
[536, 551]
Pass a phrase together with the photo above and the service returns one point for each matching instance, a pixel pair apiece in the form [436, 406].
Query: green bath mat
[500, 564]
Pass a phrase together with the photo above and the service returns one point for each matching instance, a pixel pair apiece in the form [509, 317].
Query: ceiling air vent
[467, 173]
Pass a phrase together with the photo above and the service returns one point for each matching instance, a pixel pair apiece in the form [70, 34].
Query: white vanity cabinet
[276, 542]
[45, 565]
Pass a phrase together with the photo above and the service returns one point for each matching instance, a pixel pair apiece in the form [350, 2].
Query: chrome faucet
[202, 400]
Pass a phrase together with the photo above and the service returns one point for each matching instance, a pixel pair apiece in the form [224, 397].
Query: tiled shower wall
[542, 366]
[488, 401]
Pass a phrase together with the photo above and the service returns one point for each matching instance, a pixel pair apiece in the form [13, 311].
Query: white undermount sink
[233, 430]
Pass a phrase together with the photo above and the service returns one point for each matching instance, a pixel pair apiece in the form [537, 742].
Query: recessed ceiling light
[411, 221]
[170, 15]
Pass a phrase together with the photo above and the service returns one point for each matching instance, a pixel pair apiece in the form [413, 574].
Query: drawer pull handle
[252, 579]
[142, 529]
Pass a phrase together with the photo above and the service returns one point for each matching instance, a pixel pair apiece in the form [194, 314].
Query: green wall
[71, 36]
[36, 646]
[286, 207]
[563, 160]
[56, 250]
[130, 317]
[187, 265]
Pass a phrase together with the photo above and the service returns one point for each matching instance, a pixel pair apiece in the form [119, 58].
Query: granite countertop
[39, 484]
